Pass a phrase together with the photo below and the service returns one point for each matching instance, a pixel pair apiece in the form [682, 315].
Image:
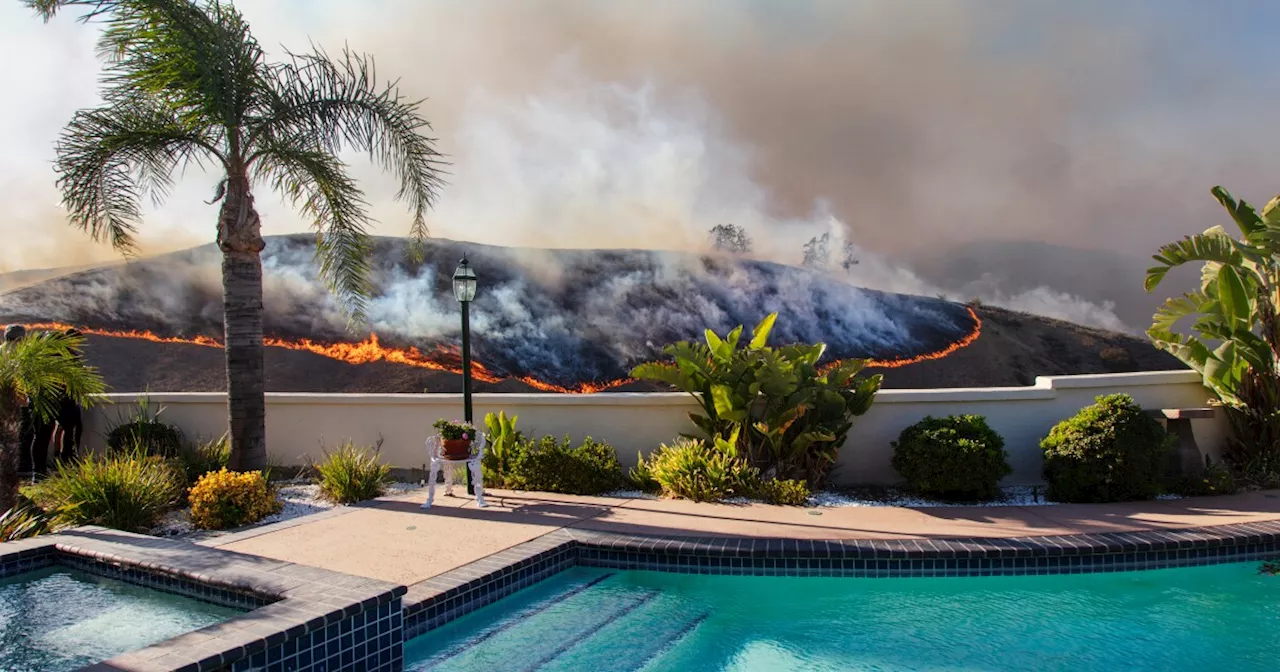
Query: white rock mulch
[298, 499]
[1019, 495]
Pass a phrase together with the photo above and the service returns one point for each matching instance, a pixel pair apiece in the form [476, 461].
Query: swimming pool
[63, 619]
[1224, 616]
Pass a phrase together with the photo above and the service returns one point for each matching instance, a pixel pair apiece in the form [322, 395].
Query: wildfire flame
[446, 358]
[958, 345]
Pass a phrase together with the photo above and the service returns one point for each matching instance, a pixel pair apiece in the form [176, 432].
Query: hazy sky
[1093, 123]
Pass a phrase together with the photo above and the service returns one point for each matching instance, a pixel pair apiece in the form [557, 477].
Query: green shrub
[124, 491]
[25, 520]
[956, 458]
[790, 492]
[690, 469]
[1217, 479]
[1109, 452]
[224, 499]
[145, 430]
[152, 436]
[641, 476]
[548, 465]
[204, 457]
[353, 473]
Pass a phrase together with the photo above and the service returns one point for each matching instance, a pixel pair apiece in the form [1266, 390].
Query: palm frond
[317, 183]
[340, 105]
[199, 58]
[43, 368]
[109, 157]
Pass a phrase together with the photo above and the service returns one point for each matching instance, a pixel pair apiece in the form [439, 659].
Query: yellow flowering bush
[223, 499]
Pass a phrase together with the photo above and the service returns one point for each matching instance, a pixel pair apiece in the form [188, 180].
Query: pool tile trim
[443, 598]
[301, 618]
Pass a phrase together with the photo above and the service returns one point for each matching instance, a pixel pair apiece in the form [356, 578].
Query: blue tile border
[448, 596]
[297, 617]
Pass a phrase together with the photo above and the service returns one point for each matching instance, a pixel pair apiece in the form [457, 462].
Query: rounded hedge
[1109, 452]
[153, 436]
[956, 458]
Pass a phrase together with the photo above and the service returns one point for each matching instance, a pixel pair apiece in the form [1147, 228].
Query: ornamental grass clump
[127, 491]
[225, 499]
[690, 469]
[353, 473]
[204, 457]
[25, 520]
[145, 430]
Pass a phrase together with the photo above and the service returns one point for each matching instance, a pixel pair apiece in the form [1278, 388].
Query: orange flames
[446, 358]
[962, 343]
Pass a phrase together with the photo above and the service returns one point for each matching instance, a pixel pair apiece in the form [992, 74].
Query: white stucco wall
[299, 424]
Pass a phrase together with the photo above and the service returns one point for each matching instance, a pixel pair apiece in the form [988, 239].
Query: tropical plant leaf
[1207, 246]
[1244, 215]
[760, 335]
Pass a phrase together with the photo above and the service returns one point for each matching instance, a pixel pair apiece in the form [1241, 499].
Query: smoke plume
[899, 125]
[607, 311]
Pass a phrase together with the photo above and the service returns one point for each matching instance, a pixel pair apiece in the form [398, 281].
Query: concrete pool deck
[391, 539]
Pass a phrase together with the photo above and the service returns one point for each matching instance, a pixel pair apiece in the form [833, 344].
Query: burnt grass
[1013, 349]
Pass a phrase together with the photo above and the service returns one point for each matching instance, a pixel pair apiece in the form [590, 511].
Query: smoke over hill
[572, 319]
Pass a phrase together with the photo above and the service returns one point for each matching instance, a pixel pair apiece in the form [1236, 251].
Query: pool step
[588, 634]
[631, 641]
[535, 636]
[480, 636]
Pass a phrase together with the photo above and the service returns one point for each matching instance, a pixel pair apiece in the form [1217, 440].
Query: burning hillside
[549, 320]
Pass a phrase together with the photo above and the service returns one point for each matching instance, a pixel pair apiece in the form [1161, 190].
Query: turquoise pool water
[59, 619]
[1202, 618]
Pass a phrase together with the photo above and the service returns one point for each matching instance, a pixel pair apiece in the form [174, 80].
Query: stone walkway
[393, 540]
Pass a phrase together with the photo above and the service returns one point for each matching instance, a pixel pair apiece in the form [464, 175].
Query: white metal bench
[435, 454]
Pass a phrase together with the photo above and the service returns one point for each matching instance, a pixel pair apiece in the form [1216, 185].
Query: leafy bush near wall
[1217, 479]
[786, 414]
[784, 492]
[124, 490]
[225, 499]
[145, 430]
[353, 473]
[690, 469]
[548, 465]
[1108, 452]
[955, 458]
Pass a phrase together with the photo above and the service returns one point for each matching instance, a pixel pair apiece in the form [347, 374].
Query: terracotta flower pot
[457, 449]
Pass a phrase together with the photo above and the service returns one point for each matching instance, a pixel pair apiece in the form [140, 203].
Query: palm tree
[40, 367]
[185, 83]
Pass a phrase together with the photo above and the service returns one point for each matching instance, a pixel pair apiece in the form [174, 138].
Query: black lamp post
[464, 290]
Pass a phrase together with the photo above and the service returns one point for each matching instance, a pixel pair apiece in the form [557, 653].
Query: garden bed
[299, 498]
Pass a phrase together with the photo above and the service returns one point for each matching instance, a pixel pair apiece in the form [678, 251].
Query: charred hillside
[548, 320]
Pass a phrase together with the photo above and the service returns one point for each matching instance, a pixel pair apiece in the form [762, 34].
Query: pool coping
[296, 611]
[453, 594]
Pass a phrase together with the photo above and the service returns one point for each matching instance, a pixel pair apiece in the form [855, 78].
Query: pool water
[1200, 618]
[59, 619]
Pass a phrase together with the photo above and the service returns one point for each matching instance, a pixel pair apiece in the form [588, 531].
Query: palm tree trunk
[240, 237]
[9, 447]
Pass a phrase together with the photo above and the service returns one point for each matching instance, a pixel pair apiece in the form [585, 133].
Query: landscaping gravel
[1018, 495]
